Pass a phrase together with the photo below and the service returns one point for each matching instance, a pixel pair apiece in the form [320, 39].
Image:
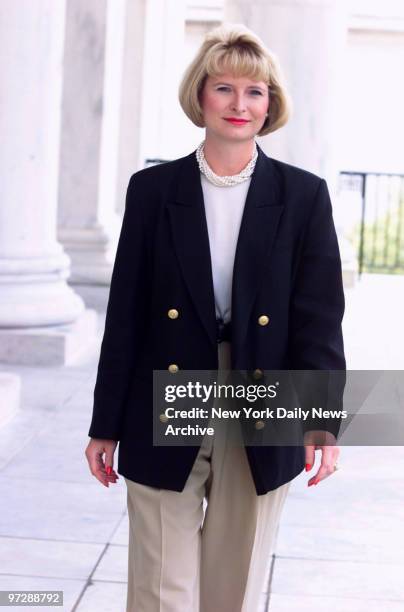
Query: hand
[94, 452]
[326, 442]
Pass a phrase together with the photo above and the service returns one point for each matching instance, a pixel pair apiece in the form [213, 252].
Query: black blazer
[287, 266]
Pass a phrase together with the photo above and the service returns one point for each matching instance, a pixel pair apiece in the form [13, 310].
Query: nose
[238, 102]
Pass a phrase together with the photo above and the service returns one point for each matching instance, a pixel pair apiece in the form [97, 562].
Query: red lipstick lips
[236, 121]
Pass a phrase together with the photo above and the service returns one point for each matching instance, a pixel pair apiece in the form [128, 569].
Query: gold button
[173, 313]
[163, 418]
[258, 374]
[263, 320]
[259, 425]
[173, 368]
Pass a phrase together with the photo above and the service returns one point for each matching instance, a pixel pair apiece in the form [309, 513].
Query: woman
[183, 297]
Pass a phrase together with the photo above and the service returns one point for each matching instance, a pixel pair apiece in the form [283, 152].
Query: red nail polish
[308, 466]
[109, 470]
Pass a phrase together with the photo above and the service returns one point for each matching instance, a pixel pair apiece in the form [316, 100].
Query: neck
[227, 158]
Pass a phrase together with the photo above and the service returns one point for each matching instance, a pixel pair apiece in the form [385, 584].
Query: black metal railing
[379, 234]
[154, 161]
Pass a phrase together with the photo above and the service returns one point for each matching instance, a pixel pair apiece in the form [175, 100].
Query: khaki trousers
[181, 559]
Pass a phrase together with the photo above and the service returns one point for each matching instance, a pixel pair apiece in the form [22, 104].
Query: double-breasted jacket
[287, 306]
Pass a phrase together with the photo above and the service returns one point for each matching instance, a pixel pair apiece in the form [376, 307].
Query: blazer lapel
[259, 224]
[191, 242]
[258, 228]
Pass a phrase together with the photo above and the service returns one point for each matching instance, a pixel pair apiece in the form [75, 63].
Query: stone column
[131, 103]
[162, 69]
[89, 153]
[309, 39]
[33, 265]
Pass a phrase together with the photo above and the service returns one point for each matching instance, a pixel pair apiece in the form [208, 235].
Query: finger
[98, 468]
[109, 474]
[310, 457]
[105, 478]
[112, 477]
[326, 469]
[109, 459]
[109, 464]
[320, 475]
[101, 474]
[102, 477]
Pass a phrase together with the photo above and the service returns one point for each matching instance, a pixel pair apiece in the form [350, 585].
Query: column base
[50, 345]
[34, 292]
[92, 252]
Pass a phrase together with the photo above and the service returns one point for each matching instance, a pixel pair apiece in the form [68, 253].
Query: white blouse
[224, 208]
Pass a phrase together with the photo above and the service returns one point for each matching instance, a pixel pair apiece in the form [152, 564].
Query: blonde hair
[234, 49]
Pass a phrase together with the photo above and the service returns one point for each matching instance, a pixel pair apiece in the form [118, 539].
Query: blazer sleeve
[124, 323]
[316, 312]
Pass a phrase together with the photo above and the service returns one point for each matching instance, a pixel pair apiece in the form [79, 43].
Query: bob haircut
[234, 49]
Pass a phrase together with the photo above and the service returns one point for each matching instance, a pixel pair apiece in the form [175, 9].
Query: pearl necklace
[225, 181]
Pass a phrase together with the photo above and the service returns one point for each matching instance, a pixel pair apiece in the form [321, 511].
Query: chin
[233, 135]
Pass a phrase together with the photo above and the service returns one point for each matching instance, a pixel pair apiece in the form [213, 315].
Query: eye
[226, 88]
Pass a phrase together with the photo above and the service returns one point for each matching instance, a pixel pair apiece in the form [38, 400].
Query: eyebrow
[229, 85]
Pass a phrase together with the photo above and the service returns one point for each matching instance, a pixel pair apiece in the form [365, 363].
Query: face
[234, 108]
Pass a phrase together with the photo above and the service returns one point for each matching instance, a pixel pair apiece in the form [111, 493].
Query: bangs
[239, 62]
